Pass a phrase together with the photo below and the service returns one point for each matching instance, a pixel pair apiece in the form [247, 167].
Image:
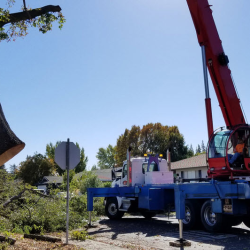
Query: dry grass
[30, 244]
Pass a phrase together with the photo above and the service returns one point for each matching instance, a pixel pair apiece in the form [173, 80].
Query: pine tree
[191, 148]
[198, 149]
[190, 151]
[203, 148]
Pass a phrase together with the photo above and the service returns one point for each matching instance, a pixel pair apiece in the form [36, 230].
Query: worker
[238, 151]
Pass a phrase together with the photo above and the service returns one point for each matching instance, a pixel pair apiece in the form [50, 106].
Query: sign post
[67, 210]
[67, 156]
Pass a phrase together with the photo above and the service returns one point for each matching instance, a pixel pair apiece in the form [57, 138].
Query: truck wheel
[147, 215]
[210, 220]
[111, 209]
[246, 220]
[191, 218]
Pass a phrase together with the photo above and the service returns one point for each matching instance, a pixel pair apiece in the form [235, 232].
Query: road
[137, 233]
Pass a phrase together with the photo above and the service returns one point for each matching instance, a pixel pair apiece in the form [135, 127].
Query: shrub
[107, 184]
[79, 235]
[89, 180]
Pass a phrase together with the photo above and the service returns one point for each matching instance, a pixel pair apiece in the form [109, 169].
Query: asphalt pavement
[137, 233]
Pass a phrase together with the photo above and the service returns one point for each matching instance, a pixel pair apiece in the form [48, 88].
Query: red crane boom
[222, 160]
[216, 62]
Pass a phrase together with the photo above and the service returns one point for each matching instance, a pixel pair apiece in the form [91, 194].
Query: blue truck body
[230, 198]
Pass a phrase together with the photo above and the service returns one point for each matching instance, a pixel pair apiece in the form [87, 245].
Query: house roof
[104, 174]
[51, 180]
[192, 162]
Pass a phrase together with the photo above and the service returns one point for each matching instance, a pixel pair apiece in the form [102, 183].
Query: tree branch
[16, 197]
[13, 198]
[25, 15]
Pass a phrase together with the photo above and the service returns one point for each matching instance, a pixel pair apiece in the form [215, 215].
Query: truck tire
[111, 209]
[191, 220]
[147, 215]
[212, 222]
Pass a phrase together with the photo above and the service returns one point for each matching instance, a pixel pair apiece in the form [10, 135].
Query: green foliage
[190, 152]
[27, 229]
[4, 246]
[33, 213]
[79, 235]
[94, 167]
[107, 184]
[176, 143]
[35, 168]
[203, 148]
[89, 180]
[13, 169]
[78, 204]
[50, 153]
[106, 157]
[198, 150]
[44, 22]
[98, 206]
[154, 138]
[83, 160]
[72, 182]
[71, 176]
[3, 167]
[19, 28]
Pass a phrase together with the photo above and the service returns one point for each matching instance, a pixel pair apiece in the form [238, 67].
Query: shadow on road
[129, 225]
[165, 227]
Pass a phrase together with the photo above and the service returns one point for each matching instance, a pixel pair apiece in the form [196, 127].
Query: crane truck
[223, 200]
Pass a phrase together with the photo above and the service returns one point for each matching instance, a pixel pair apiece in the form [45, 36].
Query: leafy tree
[3, 167]
[83, 160]
[89, 179]
[71, 176]
[106, 157]
[134, 140]
[129, 138]
[122, 145]
[13, 168]
[23, 211]
[35, 168]
[41, 18]
[154, 138]
[50, 153]
[177, 144]
[94, 167]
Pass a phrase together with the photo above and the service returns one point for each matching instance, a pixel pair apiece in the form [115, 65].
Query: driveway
[137, 233]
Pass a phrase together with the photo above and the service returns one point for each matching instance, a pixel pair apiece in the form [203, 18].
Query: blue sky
[117, 63]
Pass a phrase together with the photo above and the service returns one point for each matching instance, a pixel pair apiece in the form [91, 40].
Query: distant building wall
[190, 168]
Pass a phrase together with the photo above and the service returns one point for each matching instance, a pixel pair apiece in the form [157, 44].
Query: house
[104, 175]
[53, 181]
[190, 168]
